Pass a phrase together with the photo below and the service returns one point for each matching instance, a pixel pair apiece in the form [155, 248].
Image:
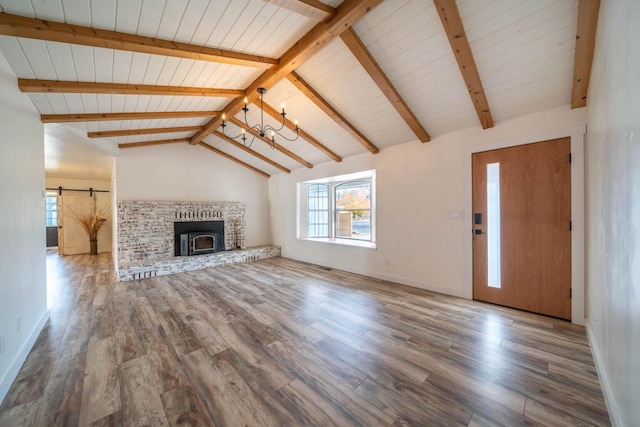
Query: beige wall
[178, 172]
[23, 293]
[613, 207]
[417, 185]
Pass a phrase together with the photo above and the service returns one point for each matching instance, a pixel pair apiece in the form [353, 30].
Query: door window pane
[493, 225]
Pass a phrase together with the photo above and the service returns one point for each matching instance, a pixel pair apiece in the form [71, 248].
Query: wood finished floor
[278, 342]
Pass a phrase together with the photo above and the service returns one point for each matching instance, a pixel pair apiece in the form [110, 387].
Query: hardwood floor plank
[184, 407]
[128, 330]
[111, 420]
[308, 408]
[410, 408]
[281, 318]
[103, 286]
[229, 399]
[101, 389]
[250, 349]
[490, 406]
[61, 403]
[308, 361]
[280, 342]
[78, 332]
[141, 403]
[180, 336]
[548, 415]
[102, 323]
[20, 415]
[375, 356]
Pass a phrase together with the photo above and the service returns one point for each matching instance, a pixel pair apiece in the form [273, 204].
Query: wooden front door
[521, 224]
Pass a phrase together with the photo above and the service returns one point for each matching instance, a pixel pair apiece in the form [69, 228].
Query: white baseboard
[389, 277]
[614, 414]
[7, 381]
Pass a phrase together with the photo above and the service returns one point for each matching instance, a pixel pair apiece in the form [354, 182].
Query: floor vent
[144, 274]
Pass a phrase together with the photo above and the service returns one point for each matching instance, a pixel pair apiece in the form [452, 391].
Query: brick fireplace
[146, 237]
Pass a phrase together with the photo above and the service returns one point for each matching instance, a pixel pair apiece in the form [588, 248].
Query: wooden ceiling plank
[149, 143]
[453, 27]
[362, 54]
[233, 159]
[348, 13]
[56, 86]
[250, 151]
[292, 126]
[20, 26]
[69, 118]
[313, 9]
[585, 45]
[267, 141]
[131, 132]
[315, 97]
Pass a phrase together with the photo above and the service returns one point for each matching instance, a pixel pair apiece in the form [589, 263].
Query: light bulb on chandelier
[260, 128]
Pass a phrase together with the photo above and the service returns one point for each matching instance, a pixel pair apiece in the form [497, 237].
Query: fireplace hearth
[198, 237]
[148, 237]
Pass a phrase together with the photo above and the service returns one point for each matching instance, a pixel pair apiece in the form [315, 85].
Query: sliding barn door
[521, 225]
[72, 239]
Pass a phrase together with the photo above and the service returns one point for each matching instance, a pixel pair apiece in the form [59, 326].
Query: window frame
[54, 221]
[367, 177]
[318, 210]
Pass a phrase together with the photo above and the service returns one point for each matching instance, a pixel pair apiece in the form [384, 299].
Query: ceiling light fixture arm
[261, 129]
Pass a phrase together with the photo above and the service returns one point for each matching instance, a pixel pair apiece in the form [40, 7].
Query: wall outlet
[455, 214]
[19, 325]
[387, 261]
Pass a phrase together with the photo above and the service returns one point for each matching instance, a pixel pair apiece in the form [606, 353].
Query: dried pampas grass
[92, 222]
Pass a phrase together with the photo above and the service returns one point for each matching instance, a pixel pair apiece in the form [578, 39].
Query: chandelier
[265, 131]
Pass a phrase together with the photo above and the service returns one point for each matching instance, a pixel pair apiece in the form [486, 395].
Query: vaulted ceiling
[359, 76]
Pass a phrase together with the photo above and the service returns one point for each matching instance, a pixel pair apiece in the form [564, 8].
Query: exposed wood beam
[56, 86]
[277, 146]
[585, 45]
[68, 118]
[292, 126]
[348, 13]
[250, 151]
[233, 159]
[20, 26]
[450, 17]
[315, 97]
[156, 142]
[131, 132]
[313, 9]
[358, 49]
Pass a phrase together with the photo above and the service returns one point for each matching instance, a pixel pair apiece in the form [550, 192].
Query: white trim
[427, 286]
[11, 375]
[338, 241]
[577, 210]
[612, 408]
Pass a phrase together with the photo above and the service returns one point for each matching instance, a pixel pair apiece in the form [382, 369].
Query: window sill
[345, 242]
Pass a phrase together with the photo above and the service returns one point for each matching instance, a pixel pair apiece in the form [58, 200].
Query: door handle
[477, 231]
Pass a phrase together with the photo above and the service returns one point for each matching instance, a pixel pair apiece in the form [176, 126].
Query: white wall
[613, 207]
[23, 293]
[180, 172]
[105, 234]
[417, 185]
